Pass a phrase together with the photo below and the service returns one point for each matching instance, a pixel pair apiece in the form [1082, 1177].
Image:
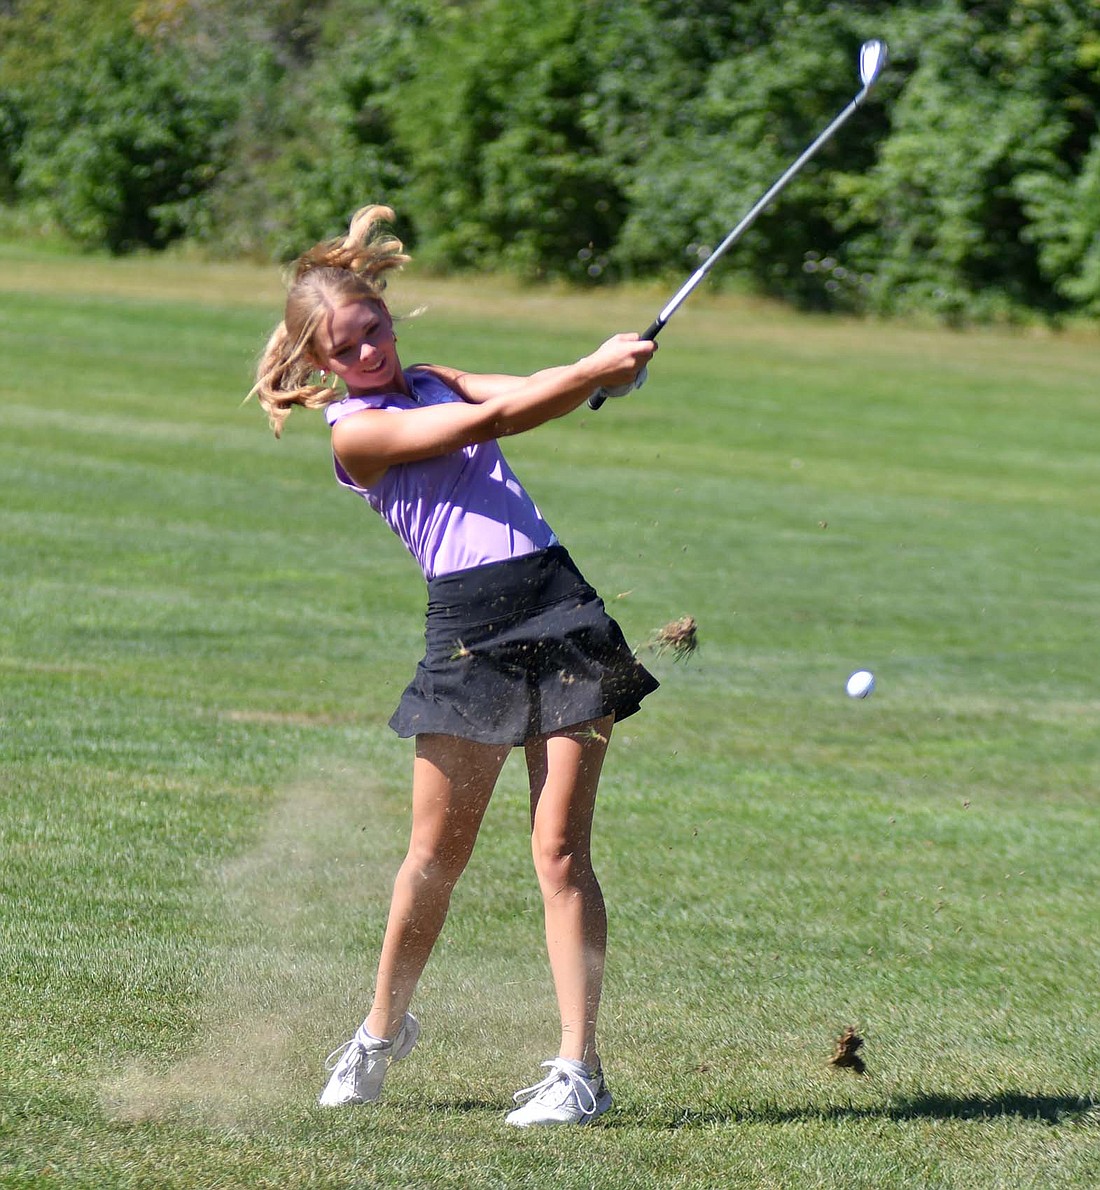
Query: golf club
[872, 58]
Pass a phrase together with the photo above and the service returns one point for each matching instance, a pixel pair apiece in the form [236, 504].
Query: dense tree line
[583, 139]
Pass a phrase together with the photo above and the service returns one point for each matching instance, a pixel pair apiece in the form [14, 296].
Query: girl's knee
[433, 865]
[560, 866]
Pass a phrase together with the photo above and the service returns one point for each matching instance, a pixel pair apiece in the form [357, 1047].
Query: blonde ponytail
[331, 274]
[362, 251]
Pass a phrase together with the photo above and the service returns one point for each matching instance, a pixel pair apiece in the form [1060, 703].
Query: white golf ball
[860, 684]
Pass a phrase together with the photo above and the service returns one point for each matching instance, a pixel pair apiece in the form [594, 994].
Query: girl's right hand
[618, 360]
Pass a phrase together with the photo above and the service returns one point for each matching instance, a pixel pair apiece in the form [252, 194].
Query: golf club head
[872, 58]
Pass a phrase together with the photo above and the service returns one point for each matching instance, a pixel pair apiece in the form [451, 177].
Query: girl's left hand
[620, 390]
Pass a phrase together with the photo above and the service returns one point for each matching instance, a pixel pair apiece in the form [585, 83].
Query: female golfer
[519, 649]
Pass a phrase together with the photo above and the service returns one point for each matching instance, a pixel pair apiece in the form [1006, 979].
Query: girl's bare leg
[564, 770]
[453, 780]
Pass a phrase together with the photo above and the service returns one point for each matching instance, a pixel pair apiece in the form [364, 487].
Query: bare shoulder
[359, 443]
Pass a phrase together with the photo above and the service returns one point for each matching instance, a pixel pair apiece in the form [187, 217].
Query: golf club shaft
[752, 215]
[654, 328]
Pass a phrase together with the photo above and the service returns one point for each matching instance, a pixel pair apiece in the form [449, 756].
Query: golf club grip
[651, 332]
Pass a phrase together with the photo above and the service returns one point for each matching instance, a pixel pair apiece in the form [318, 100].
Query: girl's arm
[477, 387]
[369, 442]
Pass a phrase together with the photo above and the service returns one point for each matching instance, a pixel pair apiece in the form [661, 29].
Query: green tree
[122, 141]
[503, 170]
[12, 129]
[983, 200]
[313, 138]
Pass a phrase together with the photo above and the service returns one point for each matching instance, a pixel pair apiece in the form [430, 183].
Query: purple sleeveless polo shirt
[454, 511]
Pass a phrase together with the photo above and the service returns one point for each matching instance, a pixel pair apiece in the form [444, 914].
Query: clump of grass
[848, 1045]
[678, 637]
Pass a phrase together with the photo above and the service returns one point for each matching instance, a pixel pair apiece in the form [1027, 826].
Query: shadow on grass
[460, 1106]
[1049, 1109]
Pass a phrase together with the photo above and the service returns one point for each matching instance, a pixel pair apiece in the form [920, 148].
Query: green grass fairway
[201, 640]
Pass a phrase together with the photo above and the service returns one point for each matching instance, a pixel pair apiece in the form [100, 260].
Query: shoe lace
[337, 1056]
[361, 1052]
[574, 1083]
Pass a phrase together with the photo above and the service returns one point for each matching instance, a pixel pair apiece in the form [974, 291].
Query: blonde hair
[331, 274]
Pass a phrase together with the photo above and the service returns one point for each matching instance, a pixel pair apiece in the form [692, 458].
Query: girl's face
[356, 342]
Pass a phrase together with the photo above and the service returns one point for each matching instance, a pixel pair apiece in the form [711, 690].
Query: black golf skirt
[518, 649]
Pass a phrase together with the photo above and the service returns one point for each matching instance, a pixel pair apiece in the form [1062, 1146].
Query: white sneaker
[569, 1094]
[359, 1065]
